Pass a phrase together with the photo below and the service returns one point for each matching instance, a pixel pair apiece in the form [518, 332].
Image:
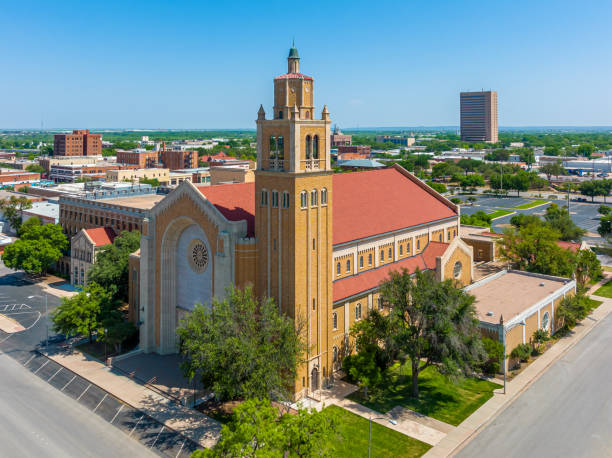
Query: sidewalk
[189, 422]
[461, 435]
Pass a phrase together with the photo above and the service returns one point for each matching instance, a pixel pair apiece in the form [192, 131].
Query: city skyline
[203, 67]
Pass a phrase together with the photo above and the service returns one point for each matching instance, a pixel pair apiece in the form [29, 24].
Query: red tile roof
[293, 76]
[572, 246]
[355, 284]
[364, 203]
[235, 201]
[378, 201]
[101, 236]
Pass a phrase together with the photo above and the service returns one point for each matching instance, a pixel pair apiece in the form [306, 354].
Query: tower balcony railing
[276, 164]
[311, 164]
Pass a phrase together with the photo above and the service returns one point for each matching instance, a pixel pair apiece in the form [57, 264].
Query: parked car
[602, 175]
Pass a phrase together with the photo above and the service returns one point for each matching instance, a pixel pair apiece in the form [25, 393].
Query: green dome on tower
[293, 53]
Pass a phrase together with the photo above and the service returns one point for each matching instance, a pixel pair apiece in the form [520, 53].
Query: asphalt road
[566, 413]
[38, 420]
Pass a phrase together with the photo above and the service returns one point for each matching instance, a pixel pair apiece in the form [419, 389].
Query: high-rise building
[479, 116]
[78, 143]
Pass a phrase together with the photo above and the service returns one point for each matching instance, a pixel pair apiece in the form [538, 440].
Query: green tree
[495, 355]
[241, 348]
[434, 323]
[591, 188]
[586, 150]
[519, 182]
[587, 267]
[258, 429]
[521, 352]
[468, 165]
[112, 264]
[559, 219]
[441, 170]
[553, 169]
[524, 219]
[604, 210]
[154, 182]
[479, 218]
[572, 310]
[12, 208]
[438, 187]
[82, 314]
[498, 155]
[38, 248]
[35, 168]
[605, 227]
[472, 181]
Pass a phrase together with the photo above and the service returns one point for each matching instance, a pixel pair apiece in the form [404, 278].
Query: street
[567, 412]
[39, 420]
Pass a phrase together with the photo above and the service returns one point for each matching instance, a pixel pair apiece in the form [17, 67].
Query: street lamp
[105, 353]
[46, 316]
[393, 422]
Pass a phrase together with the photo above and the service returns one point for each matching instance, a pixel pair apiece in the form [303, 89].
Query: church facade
[319, 243]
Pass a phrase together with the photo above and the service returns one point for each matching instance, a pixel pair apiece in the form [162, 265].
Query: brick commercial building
[142, 159]
[14, 178]
[479, 116]
[339, 139]
[84, 248]
[71, 173]
[354, 152]
[47, 161]
[175, 160]
[78, 143]
[161, 175]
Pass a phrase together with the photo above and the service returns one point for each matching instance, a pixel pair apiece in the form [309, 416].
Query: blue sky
[204, 64]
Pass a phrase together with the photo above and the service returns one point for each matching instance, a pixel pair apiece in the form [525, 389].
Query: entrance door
[314, 381]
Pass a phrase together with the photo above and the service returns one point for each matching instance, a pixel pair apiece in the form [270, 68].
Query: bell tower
[293, 217]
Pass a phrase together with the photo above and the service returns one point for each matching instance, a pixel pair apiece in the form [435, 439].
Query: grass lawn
[439, 397]
[593, 304]
[385, 441]
[499, 213]
[606, 268]
[605, 290]
[533, 203]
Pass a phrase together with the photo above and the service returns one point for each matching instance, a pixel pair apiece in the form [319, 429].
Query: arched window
[380, 303]
[418, 244]
[358, 311]
[335, 354]
[315, 147]
[348, 265]
[285, 199]
[274, 199]
[303, 199]
[360, 261]
[308, 146]
[308, 115]
[314, 304]
[335, 320]
[323, 196]
[280, 142]
[273, 147]
[401, 248]
[280, 115]
[382, 255]
[313, 198]
[370, 259]
[338, 269]
[390, 253]
[264, 198]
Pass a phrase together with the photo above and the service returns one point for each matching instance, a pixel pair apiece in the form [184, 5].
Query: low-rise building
[511, 305]
[141, 158]
[200, 175]
[161, 175]
[230, 174]
[360, 164]
[175, 160]
[76, 172]
[47, 161]
[84, 248]
[47, 212]
[337, 138]
[14, 178]
[395, 139]
[346, 153]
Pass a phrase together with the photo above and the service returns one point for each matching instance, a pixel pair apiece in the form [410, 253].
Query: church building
[320, 243]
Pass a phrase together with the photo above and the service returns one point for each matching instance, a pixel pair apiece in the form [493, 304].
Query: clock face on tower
[307, 89]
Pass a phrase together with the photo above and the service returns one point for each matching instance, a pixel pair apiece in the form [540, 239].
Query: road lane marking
[181, 449]
[101, 401]
[120, 409]
[43, 365]
[136, 425]
[160, 431]
[28, 361]
[84, 391]
[58, 371]
[68, 383]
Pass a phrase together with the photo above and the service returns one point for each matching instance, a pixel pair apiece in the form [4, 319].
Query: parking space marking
[28, 361]
[58, 371]
[136, 425]
[181, 449]
[42, 365]
[101, 401]
[120, 409]
[160, 431]
[84, 391]
[68, 383]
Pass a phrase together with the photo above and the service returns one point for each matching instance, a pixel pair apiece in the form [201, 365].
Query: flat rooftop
[511, 293]
[143, 202]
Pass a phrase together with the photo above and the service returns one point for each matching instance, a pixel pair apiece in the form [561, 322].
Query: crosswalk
[13, 307]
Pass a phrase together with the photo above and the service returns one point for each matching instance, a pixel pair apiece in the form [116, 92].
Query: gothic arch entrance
[314, 379]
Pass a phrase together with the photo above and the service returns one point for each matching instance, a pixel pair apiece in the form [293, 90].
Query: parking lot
[584, 214]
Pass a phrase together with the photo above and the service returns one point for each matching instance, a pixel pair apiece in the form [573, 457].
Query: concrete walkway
[189, 422]
[461, 435]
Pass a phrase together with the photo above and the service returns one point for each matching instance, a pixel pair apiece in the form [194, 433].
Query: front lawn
[438, 398]
[499, 213]
[385, 442]
[528, 205]
[593, 304]
[605, 290]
